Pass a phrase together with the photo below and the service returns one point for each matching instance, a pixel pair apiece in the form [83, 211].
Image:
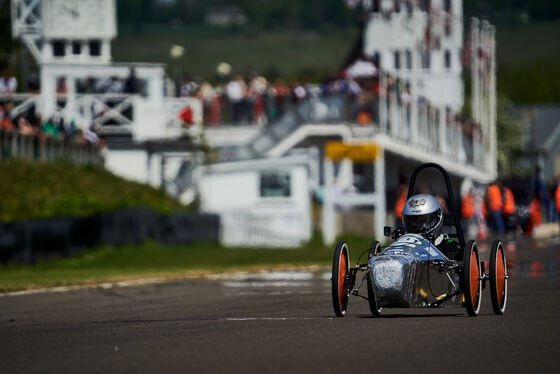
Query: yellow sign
[360, 152]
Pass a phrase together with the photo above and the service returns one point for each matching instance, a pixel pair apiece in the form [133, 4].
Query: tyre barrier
[32, 241]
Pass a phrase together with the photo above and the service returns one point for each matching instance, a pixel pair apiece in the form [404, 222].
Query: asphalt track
[281, 322]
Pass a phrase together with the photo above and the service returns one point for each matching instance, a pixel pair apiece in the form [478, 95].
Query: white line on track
[268, 293]
[274, 276]
[265, 284]
[273, 318]
[107, 285]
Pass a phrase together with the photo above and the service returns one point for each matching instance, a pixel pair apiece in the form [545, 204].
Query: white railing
[174, 108]
[432, 129]
[22, 102]
[110, 113]
[98, 109]
[415, 123]
[45, 148]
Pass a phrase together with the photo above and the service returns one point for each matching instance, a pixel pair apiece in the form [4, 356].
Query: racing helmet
[422, 214]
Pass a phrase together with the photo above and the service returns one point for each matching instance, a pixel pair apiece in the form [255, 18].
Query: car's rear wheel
[374, 250]
[340, 279]
[498, 277]
[472, 284]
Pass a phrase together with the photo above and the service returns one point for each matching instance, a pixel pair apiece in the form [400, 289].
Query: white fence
[286, 229]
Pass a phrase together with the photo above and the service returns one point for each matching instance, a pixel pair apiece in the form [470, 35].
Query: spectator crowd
[511, 206]
[256, 100]
[29, 122]
[499, 211]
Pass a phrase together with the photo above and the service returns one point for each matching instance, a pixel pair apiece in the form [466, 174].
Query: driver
[422, 214]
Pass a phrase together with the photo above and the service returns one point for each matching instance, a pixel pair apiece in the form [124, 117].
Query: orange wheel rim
[500, 276]
[341, 278]
[475, 274]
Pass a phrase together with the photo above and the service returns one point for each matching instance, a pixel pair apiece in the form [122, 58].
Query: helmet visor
[422, 223]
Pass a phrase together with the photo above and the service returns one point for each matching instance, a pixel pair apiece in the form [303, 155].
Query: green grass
[290, 55]
[535, 82]
[529, 62]
[519, 45]
[33, 190]
[155, 260]
[528, 55]
[292, 51]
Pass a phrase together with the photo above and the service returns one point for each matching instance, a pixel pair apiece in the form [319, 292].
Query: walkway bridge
[417, 131]
[406, 132]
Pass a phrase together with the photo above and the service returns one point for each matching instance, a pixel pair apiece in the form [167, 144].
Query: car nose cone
[388, 275]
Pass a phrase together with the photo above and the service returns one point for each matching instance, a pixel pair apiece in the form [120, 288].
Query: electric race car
[429, 264]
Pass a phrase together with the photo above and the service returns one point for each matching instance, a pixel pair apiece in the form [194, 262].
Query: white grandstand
[415, 53]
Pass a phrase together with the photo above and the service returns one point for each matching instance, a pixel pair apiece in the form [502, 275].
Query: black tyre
[374, 250]
[472, 284]
[340, 278]
[498, 277]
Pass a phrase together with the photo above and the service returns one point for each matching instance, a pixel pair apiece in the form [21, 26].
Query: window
[95, 48]
[447, 26]
[447, 57]
[377, 59]
[275, 184]
[447, 6]
[425, 5]
[58, 48]
[397, 60]
[425, 58]
[408, 57]
[76, 48]
[363, 177]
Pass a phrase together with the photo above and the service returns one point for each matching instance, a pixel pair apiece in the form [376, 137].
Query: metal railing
[415, 123]
[44, 148]
[105, 113]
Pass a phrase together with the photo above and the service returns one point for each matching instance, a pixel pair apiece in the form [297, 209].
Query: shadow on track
[388, 316]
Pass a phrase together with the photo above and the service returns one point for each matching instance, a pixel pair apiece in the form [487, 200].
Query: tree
[510, 138]
[8, 46]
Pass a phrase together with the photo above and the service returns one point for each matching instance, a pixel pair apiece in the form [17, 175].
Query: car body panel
[408, 273]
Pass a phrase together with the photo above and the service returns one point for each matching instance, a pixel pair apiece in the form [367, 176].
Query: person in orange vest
[481, 219]
[508, 208]
[441, 200]
[558, 199]
[401, 200]
[556, 194]
[495, 205]
[468, 211]
[535, 215]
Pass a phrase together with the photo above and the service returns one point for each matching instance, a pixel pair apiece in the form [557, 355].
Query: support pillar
[48, 94]
[328, 217]
[380, 212]
[442, 128]
[70, 108]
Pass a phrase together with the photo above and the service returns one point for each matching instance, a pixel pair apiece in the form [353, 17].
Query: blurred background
[174, 175]
[227, 109]
[308, 39]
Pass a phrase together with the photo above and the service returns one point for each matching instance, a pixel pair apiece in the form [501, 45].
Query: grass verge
[290, 55]
[152, 260]
[33, 190]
